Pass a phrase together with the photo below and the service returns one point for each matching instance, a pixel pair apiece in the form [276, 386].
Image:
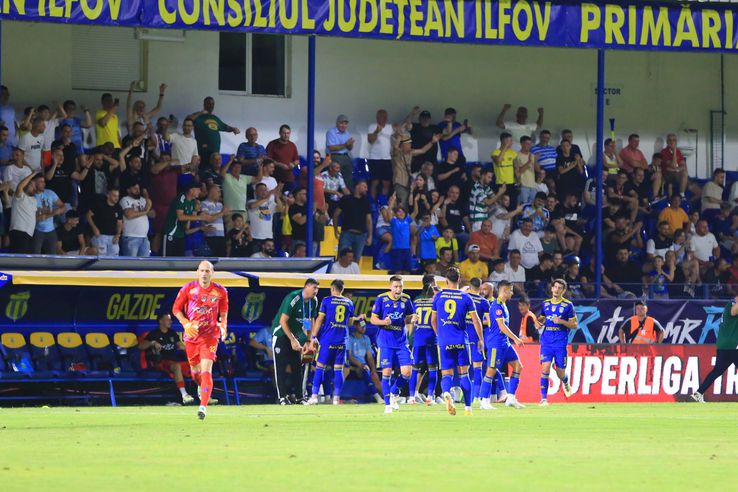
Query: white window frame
[249, 70]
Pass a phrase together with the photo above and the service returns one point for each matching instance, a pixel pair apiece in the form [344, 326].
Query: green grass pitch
[356, 447]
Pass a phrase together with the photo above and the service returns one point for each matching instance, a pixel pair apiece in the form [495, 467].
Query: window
[105, 58]
[253, 64]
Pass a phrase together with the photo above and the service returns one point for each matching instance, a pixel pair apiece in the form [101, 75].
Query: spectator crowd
[150, 186]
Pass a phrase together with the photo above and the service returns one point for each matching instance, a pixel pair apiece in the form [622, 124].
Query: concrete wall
[660, 92]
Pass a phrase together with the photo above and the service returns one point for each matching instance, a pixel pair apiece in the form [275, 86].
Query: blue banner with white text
[645, 25]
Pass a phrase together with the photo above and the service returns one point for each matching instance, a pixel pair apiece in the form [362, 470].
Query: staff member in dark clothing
[165, 352]
[726, 349]
[291, 325]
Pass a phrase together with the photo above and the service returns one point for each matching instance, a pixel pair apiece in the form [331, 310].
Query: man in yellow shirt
[106, 122]
[473, 267]
[675, 215]
[504, 161]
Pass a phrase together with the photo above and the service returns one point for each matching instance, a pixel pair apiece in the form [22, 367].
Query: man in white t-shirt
[32, 143]
[134, 239]
[527, 242]
[520, 127]
[268, 167]
[704, 246]
[261, 211]
[345, 264]
[514, 271]
[184, 145]
[379, 155]
[23, 216]
[215, 231]
[17, 169]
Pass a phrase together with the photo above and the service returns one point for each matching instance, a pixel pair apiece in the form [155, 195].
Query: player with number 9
[448, 319]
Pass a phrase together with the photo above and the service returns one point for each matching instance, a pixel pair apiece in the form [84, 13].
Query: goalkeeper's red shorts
[202, 348]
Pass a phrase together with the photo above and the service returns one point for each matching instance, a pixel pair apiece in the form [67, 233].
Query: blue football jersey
[481, 306]
[393, 336]
[451, 308]
[338, 311]
[493, 336]
[554, 333]
[423, 334]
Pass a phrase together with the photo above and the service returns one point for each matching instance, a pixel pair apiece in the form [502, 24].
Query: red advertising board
[628, 373]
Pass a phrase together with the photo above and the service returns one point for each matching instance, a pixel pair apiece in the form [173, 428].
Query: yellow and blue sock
[477, 381]
[400, 383]
[466, 387]
[317, 380]
[500, 383]
[514, 381]
[446, 384]
[432, 382]
[486, 390]
[386, 389]
[544, 385]
[413, 382]
[337, 382]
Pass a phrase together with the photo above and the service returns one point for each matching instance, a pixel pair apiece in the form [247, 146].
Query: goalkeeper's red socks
[206, 388]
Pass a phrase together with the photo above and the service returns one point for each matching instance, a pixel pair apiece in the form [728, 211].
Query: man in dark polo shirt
[356, 221]
[165, 352]
[293, 322]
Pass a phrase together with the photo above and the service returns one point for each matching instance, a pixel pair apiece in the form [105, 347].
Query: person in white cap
[473, 267]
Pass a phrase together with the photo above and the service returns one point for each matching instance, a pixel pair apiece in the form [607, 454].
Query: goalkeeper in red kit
[202, 308]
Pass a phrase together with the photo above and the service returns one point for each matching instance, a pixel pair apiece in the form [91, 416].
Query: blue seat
[127, 355]
[73, 354]
[44, 353]
[100, 352]
[17, 356]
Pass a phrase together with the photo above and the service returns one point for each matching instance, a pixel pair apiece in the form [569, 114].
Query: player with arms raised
[425, 346]
[448, 319]
[335, 315]
[391, 311]
[558, 317]
[499, 351]
[202, 308]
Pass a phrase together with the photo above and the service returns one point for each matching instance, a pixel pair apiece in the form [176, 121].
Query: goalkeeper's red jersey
[202, 306]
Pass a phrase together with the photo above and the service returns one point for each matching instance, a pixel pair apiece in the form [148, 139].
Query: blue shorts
[454, 355]
[426, 354]
[332, 355]
[555, 353]
[476, 355]
[499, 356]
[389, 357]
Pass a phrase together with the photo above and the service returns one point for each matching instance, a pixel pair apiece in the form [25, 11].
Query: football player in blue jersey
[425, 345]
[499, 390]
[558, 317]
[335, 315]
[482, 307]
[499, 351]
[448, 319]
[391, 312]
